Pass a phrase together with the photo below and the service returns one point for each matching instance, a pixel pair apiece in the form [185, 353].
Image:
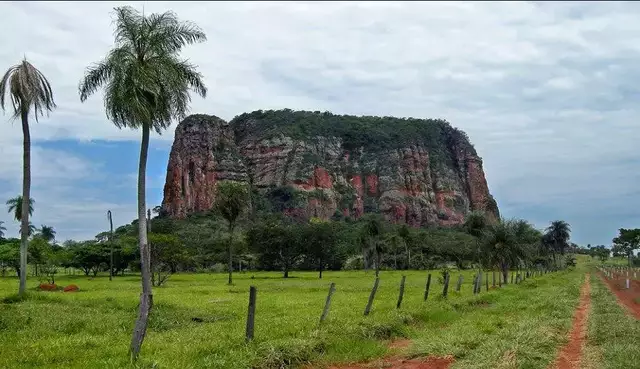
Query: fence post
[372, 295]
[401, 294]
[493, 279]
[511, 277]
[486, 282]
[327, 304]
[251, 315]
[426, 289]
[445, 290]
[459, 284]
[475, 280]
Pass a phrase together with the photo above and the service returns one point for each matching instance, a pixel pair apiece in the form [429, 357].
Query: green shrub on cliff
[374, 134]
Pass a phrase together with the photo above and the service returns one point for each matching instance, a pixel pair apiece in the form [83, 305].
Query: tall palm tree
[47, 233]
[559, 233]
[30, 92]
[146, 87]
[14, 206]
[2, 229]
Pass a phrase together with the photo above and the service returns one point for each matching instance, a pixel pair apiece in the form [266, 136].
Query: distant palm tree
[2, 229]
[146, 87]
[15, 207]
[47, 233]
[558, 234]
[30, 92]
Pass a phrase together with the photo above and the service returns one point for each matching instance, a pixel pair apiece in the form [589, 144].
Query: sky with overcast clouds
[549, 94]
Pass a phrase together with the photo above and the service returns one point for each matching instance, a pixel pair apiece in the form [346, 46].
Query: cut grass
[198, 321]
[614, 335]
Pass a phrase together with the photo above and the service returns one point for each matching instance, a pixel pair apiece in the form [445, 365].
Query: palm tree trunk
[231, 226]
[146, 298]
[26, 188]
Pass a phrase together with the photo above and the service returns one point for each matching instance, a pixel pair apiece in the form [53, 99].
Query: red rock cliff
[420, 182]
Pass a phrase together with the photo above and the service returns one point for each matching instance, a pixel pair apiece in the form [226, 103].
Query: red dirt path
[397, 363]
[625, 297]
[570, 355]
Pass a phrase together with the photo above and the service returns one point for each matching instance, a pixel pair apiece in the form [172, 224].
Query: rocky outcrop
[419, 172]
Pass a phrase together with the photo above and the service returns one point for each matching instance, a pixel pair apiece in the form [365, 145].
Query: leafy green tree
[39, 251]
[627, 241]
[47, 233]
[167, 254]
[319, 240]
[147, 86]
[10, 255]
[30, 92]
[476, 224]
[231, 201]
[277, 243]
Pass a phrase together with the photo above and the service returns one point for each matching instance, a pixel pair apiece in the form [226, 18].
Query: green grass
[91, 328]
[614, 335]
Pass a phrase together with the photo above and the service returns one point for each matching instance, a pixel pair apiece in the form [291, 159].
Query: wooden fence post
[327, 304]
[459, 284]
[511, 277]
[372, 295]
[251, 315]
[401, 294]
[426, 289]
[486, 282]
[445, 290]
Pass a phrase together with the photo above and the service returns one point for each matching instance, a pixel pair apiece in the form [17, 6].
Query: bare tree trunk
[26, 189]
[146, 298]
[111, 245]
[231, 226]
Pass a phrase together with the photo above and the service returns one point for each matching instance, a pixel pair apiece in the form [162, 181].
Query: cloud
[546, 91]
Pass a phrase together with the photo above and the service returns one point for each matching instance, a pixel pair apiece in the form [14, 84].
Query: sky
[549, 94]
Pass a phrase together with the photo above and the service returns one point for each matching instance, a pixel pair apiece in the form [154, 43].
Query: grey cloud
[546, 90]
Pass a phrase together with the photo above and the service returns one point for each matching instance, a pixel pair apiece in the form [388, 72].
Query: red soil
[71, 288]
[431, 362]
[397, 362]
[625, 297]
[48, 287]
[570, 355]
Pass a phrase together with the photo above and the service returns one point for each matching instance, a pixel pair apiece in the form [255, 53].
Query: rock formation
[312, 164]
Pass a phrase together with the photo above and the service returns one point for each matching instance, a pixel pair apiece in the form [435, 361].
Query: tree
[372, 230]
[167, 253]
[231, 201]
[627, 241]
[2, 229]
[14, 206]
[30, 92]
[476, 225]
[506, 243]
[146, 87]
[47, 233]
[318, 239]
[601, 252]
[559, 232]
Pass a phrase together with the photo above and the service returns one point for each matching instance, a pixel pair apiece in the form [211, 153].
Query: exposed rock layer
[434, 177]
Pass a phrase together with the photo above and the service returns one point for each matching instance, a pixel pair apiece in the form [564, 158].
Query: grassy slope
[614, 336]
[523, 324]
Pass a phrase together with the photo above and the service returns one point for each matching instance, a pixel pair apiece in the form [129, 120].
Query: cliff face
[419, 172]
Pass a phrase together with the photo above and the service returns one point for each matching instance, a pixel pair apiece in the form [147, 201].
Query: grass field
[614, 335]
[518, 326]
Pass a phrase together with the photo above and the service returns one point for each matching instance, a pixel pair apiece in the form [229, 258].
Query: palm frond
[28, 88]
